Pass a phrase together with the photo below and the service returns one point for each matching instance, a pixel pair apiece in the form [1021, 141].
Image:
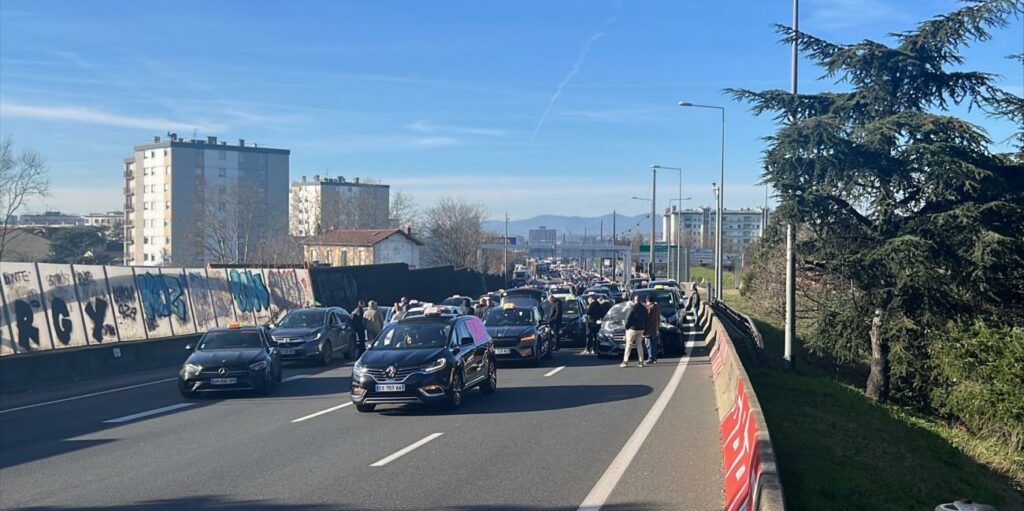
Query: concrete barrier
[751, 475]
[41, 369]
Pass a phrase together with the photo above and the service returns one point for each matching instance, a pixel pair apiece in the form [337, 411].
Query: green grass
[696, 272]
[838, 450]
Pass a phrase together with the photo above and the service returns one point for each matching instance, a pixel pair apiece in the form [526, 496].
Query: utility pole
[504, 258]
[654, 198]
[615, 238]
[790, 230]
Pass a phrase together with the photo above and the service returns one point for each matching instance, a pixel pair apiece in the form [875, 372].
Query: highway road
[576, 432]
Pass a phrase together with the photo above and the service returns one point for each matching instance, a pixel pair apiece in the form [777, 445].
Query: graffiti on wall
[61, 302]
[48, 306]
[96, 304]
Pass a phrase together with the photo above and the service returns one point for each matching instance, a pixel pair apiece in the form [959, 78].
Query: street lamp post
[721, 199]
[678, 234]
[652, 231]
[654, 200]
[675, 234]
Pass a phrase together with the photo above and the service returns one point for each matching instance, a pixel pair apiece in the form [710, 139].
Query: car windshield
[303, 318]
[413, 336]
[663, 299]
[230, 339]
[618, 312]
[509, 317]
[453, 301]
[571, 309]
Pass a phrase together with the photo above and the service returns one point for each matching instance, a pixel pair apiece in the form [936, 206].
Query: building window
[167, 187]
[168, 205]
[145, 240]
[165, 152]
[222, 172]
[344, 258]
[222, 155]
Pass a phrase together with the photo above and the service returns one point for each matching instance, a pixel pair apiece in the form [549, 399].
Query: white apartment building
[324, 204]
[108, 219]
[188, 202]
[697, 227]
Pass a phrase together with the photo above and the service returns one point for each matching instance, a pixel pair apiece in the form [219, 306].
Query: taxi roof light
[234, 325]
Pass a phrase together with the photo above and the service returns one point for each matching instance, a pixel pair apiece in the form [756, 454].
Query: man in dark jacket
[636, 323]
[651, 335]
[555, 319]
[595, 313]
[359, 326]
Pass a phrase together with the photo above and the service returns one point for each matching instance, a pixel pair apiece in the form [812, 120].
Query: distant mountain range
[574, 225]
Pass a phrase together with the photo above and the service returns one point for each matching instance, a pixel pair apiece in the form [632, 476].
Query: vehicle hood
[669, 312]
[613, 327]
[226, 358]
[509, 331]
[294, 332]
[401, 357]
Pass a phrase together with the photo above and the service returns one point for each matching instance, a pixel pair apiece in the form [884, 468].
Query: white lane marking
[603, 489]
[293, 378]
[321, 412]
[83, 396]
[140, 415]
[554, 371]
[407, 450]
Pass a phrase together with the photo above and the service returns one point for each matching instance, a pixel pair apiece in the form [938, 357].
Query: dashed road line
[148, 413]
[322, 412]
[554, 371]
[407, 450]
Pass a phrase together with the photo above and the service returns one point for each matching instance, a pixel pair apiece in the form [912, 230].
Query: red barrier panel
[739, 453]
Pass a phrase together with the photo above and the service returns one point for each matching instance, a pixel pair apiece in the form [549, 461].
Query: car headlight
[258, 366]
[192, 368]
[528, 338]
[358, 369]
[436, 366]
[316, 336]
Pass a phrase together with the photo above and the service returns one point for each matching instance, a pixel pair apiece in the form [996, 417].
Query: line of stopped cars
[431, 354]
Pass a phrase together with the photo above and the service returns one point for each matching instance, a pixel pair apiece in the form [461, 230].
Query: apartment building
[109, 219]
[323, 204]
[192, 201]
[697, 227]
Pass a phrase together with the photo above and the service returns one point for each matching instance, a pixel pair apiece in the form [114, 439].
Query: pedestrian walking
[636, 323]
[555, 319]
[373, 320]
[652, 337]
[359, 325]
[482, 307]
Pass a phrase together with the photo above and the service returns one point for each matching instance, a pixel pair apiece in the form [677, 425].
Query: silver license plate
[502, 351]
[391, 387]
[287, 351]
[223, 381]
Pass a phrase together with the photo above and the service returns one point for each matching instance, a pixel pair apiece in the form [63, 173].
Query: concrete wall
[751, 476]
[57, 306]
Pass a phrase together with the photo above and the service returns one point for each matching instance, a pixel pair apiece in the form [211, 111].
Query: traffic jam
[419, 353]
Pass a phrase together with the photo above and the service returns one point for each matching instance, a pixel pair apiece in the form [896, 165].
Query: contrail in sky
[576, 68]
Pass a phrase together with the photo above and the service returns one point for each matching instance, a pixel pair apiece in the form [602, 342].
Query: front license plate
[395, 387]
[223, 381]
[287, 351]
[502, 351]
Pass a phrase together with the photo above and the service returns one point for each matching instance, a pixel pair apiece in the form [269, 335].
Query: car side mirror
[189, 347]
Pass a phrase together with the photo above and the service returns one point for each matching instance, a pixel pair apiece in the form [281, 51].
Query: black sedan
[670, 329]
[315, 334]
[232, 358]
[429, 359]
[518, 332]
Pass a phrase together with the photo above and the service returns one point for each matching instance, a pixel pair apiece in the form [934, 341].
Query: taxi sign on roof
[234, 324]
[508, 306]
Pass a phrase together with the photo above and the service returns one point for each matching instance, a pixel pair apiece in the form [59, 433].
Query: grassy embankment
[839, 450]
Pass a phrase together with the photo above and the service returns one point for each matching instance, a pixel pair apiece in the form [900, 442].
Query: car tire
[268, 388]
[550, 350]
[365, 408]
[278, 377]
[454, 401]
[327, 354]
[490, 384]
[187, 394]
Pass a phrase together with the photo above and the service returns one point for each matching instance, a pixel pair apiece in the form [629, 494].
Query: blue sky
[528, 106]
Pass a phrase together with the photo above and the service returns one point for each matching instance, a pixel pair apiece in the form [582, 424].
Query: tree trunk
[878, 380]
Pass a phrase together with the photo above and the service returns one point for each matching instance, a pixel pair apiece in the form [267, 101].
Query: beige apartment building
[192, 201]
[323, 204]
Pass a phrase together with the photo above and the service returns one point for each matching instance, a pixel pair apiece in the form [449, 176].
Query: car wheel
[365, 408]
[278, 378]
[187, 394]
[490, 384]
[327, 354]
[268, 387]
[455, 398]
[549, 351]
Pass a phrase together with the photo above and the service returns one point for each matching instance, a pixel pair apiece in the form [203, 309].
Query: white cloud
[90, 115]
[435, 141]
[422, 126]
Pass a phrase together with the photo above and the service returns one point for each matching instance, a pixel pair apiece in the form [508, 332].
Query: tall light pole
[718, 234]
[504, 254]
[679, 197]
[653, 219]
[721, 200]
[790, 230]
[678, 234]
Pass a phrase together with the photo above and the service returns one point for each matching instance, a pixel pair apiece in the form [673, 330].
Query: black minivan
[430, 359]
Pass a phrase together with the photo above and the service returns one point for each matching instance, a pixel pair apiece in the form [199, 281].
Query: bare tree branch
[22, 177]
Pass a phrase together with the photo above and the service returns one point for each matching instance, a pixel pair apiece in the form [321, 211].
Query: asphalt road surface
[578, 432]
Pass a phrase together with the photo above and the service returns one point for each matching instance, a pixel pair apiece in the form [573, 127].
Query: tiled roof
[356, 237]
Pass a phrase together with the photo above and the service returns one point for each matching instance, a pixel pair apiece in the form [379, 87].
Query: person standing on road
[594, 315]
[651, 334]
[359, 326]
[373, 320]
[636, 323]
[555, 319]
[481, 308]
